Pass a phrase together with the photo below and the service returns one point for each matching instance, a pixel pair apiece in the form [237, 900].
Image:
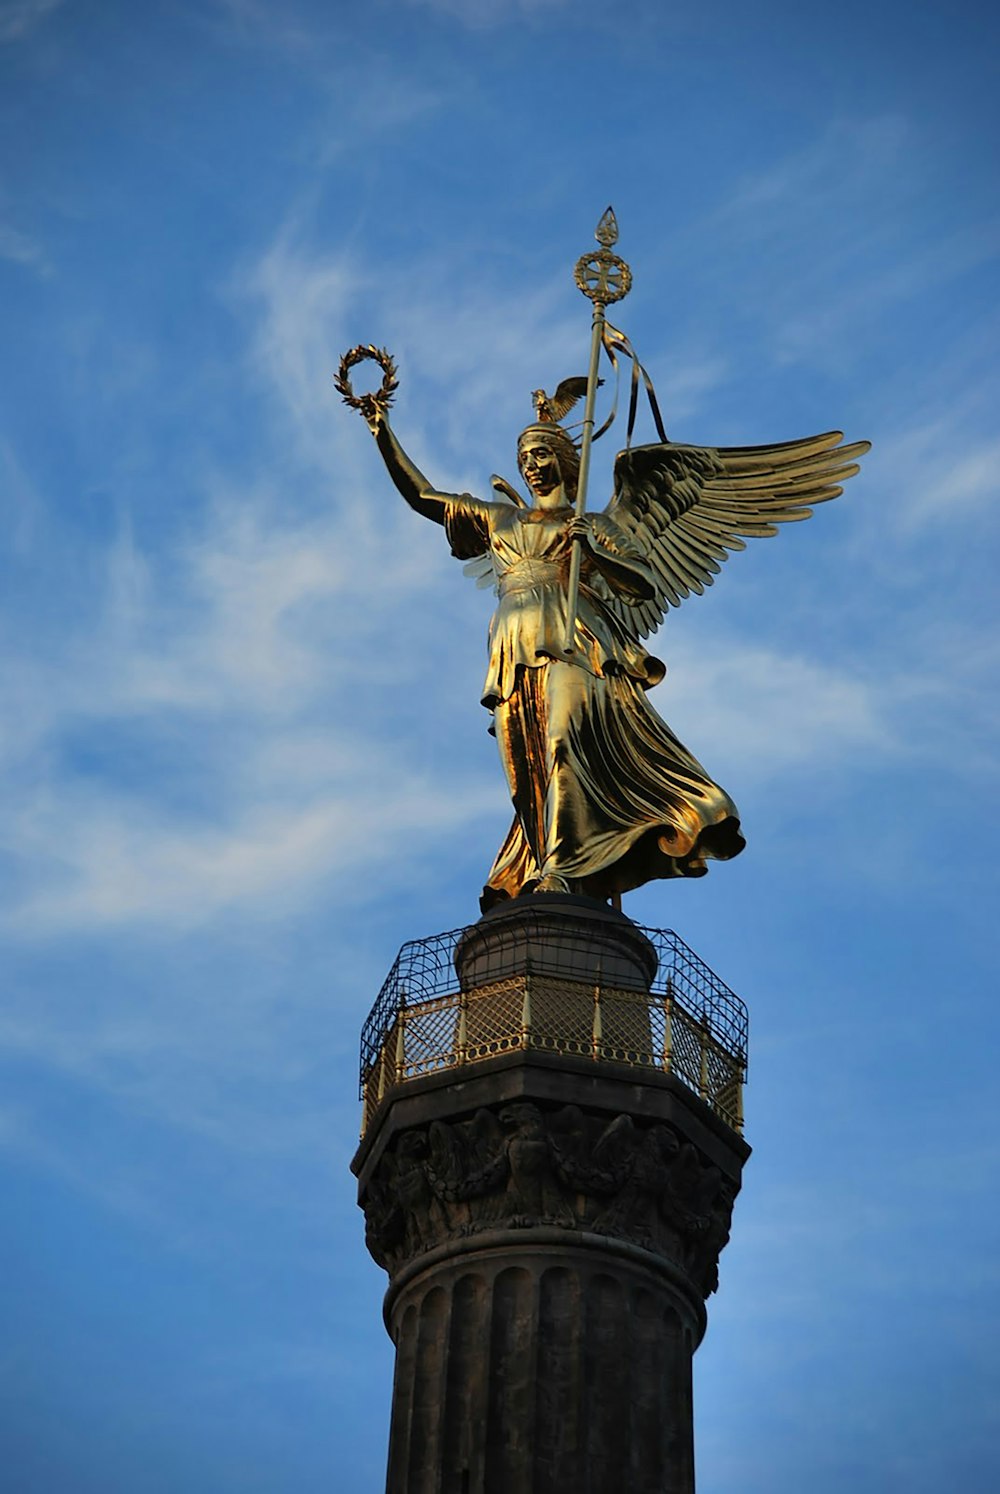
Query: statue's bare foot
[552, 883]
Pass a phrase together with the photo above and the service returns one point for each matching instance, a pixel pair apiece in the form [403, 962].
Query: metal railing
[686, 1022]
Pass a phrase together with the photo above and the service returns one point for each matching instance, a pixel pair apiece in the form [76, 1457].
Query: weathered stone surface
[548, 1260]
[541, 1371]
[577, 937]
[517, 1166]
[551, 1226]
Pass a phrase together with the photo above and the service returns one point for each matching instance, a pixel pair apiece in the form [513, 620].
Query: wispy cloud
[260, 23]
[20, 249]
[18, 18]
[113, 861]
[828, 239]
[785, 708]
[848, 154]
[938, 472]
[23, 510]
[465, 370]
[262, 648]
[479, 14]
[256, 655]
[300, 300]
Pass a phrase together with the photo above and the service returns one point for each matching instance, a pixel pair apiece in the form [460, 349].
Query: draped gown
[605, 796]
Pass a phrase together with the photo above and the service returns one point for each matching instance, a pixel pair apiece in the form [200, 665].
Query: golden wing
[689, 507]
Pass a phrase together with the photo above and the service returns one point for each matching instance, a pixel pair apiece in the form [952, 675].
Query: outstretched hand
[374, 415]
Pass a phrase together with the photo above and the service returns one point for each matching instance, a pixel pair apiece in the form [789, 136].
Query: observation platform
[558, 975]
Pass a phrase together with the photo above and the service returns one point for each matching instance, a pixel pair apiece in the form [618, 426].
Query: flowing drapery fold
[605, 796]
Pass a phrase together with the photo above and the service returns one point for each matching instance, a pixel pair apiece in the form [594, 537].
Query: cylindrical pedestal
[527, 1366]
[551, 1222]
[573, 938]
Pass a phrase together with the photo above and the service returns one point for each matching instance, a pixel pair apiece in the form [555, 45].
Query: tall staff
[603, 278]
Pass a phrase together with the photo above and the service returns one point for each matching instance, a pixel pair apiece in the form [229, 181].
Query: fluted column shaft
[528, 1368]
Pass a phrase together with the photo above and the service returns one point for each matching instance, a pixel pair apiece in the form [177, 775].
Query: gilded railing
[687, 1023]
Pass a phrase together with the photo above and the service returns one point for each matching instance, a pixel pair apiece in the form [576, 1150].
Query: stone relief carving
[522, 1165]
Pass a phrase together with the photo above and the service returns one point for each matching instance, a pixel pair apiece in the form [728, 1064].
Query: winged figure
[605, 797]
[552, 407]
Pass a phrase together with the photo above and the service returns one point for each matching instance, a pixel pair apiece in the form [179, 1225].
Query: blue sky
[243, 758]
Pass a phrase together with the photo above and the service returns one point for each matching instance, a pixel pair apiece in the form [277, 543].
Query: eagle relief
[605, 796]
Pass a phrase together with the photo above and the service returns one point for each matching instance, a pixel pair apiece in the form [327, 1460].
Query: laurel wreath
[381, 399]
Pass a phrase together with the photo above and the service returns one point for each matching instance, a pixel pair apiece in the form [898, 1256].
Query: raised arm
[410, 481]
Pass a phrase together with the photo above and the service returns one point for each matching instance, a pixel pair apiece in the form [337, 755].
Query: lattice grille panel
[685, 1047]
[429, 1037]
[626, 1035]
[688, 1023]
[493, 1018]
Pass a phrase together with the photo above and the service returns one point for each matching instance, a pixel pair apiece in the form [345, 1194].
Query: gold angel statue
[605, 796]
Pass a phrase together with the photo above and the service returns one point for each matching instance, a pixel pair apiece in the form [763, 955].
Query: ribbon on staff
[615, 342]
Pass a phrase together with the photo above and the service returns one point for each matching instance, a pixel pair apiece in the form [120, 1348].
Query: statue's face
[540, 467]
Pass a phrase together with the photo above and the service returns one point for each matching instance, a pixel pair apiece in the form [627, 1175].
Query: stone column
[551, 1226]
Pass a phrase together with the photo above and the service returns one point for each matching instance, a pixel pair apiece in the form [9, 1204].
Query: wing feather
[481, 568]
[687, 508]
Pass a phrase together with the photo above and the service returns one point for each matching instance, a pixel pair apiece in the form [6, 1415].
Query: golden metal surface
[381, 398]
[603, 277]
[605, 797]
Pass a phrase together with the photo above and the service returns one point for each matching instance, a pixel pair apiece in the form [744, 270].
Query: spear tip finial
[603, 277]
[606, 232]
